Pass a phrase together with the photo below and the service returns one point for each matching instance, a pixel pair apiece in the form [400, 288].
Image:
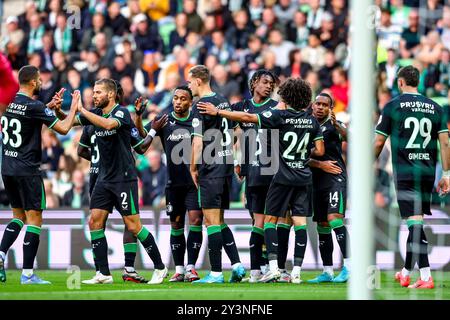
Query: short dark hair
[119, 92]
[296, 93]
[258, 74]
[185, 88]
[28, 73]
[108, 83]
[410, 74]
[201, 72]
[326, 95]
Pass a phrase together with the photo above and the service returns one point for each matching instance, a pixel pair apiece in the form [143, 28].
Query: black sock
[178, 246]
[30, 246]
[271, 240]
[194, 243]
[417, 245]
[10, 235]
[229, 244]
[129, 248]
[409, 263]
[256, 244]
[149, 244]
[100, 250]
[325, 245]
[423, 256]
[341, 235]
[301, 239]
[283, 231]
[215, 247]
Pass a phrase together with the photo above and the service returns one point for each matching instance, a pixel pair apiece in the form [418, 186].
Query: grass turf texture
[389, 289]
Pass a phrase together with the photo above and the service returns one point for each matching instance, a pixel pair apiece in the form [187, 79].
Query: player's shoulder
[239, 106]
[120, 112]
[272, 103]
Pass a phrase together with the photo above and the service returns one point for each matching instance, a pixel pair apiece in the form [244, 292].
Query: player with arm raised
[290, 187]
[116, 185]
[181, 193]
[21, 159]
[211, 168]
[415, 125]
[88, 149]
[330, 190]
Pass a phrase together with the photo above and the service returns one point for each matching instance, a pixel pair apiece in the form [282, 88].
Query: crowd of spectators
[149, 46]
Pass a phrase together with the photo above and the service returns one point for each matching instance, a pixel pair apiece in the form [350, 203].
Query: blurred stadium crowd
[149, 46]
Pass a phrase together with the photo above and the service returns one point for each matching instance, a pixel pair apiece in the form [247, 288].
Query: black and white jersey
[21, 132]
[116, 162]
[296, 130]
[413, 122]
[256, 143]
[333, 152]
[217, 136]
[176, 142]
[88, 139]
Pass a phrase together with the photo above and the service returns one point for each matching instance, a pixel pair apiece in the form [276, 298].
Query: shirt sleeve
[85, 139]
[384, 126]
[443, 117]
[237, 107]
[317, 133]
[45, 115]
[198, 128]
[123, 117]
[136, 139]
[270, 119]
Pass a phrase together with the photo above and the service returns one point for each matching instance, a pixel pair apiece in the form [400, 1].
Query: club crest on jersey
[267, 114]
[324, 129]
[119, 114]
[135, 132]
[195, 122]
[48, 112]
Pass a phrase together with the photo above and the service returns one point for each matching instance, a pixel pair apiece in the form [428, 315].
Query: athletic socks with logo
[341, 235]
[178, 246]
[229, 244]
[326, 246]
[301, 239]
[194, 243]
[256, 244]
[417, 249]
[30, 246]
[283, 231]
[215, 248]
[149, 244]
[271, 240]
[10, 235]
[100, 251]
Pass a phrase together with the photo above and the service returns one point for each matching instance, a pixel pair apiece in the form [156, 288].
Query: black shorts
[414, 198]
[328, 201]
[181, 199]
[256, 198]
[26, 192]
[215, 193]
[281, 197]
[122, 195]
[92, 180]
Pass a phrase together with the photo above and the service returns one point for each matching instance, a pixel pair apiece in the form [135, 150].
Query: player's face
[181, 101]
[321, 107]
[101, 96]
[264, 86]
[193, 84]
[38, 86]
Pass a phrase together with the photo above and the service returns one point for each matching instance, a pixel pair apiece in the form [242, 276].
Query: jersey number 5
[16, 127]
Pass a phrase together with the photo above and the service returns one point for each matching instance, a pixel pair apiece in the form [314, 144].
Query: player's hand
[57, 100]
[333, 119]
[207, 108]
[330, 167]
[76, 98]
[139, 105]
[443, 186]
[158, 124]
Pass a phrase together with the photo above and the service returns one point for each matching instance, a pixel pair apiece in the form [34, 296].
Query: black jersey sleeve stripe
[259, 120]
[197, 134]
[54, 122]
[444, 130]
[139, 143]
[83, 145]
[118, 121]
[382, 133]
[318, 138]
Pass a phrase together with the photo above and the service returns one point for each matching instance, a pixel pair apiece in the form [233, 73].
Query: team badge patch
[48, 112]
[195, 122]
[135, 132]
[169, 208]
[119, 114]
[267, 114]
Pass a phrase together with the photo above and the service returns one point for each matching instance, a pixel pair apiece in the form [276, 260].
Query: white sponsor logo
[169, 208]
[119, 114]
[267, 114]
[26, 243]
[229, 244]
[172, 123]
[10, 230]
[300, 244]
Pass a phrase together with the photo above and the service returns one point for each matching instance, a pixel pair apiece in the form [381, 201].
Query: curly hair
[296, 93]
[258, 75]
[119, 92]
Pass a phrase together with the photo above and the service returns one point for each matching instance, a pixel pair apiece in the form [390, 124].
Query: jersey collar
[259, 104]
[181, 119]
[23, 94]
[114, 108]
[209, 95]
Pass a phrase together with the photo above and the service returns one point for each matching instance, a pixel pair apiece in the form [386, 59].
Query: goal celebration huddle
[289, 151]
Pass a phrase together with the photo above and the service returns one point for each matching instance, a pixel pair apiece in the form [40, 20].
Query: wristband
[446, 174]
[152, 133]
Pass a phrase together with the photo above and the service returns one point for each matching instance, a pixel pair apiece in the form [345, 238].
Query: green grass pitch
[188, 291]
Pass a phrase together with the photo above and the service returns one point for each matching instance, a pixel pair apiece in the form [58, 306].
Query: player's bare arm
[139, 106]
[319, 148]
[195, 158]
[327, 166]
[64, 126]
[84, 152]
[339, 127]
[157, 125]
[380, 140]
[105, 123]
[444, 184]
[208, 108]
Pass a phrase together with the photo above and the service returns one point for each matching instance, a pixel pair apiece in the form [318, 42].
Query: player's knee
[95, 223]
[195, 221]
[270, 219]
[176, 225]
[324, 224]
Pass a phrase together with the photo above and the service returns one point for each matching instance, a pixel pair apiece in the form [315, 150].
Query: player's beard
[102, 104]
[36, 91]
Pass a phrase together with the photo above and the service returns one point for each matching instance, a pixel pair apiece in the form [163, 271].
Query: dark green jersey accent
[176, 141]
[116, 162]
[88, 139]
[333, 152]
[296, 130]
[251, 165]
[413, 123]
[217, 134]
[21, 131]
